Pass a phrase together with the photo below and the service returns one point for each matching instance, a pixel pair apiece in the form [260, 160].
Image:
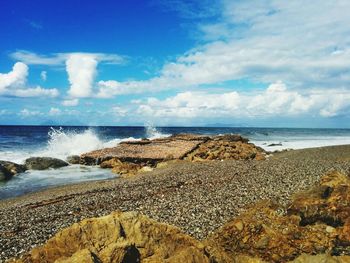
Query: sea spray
[152, 132]
[64, 143]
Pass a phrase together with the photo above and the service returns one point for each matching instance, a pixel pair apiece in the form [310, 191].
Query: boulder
[119, 237]
[43, 163]
[10, 169]
[73, 159]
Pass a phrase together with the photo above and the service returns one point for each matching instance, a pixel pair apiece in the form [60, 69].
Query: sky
[257, 63]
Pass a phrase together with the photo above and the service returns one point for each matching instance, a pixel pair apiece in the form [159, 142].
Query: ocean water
[18, 143]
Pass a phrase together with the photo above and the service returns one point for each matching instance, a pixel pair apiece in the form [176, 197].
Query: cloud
[30, 113]
[35, 92]
[119, 111]
[15, 78]
[304, 44]
[43, 75]
[81, 69]
[14, 84]
[275, 101]
[55, 112]
[57, 59]
[70, 103]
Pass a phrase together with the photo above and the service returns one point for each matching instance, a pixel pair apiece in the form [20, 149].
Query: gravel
[196, 197]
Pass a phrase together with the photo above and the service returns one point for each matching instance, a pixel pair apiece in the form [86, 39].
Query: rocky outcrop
[119, 237]
[43, 163]
[129, 157]
[10, 169]
[226, 147]
[317, 222]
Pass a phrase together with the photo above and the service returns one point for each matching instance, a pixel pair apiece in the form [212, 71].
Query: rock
[73, 159]
[321, 258]
[119, 237]
[4, 173]
[129, 157]
[321, 203]
[121, 168]
[43, 163]
[226, 147]
[316, 222]
[274, 144]
[146, 169]
[10, 169]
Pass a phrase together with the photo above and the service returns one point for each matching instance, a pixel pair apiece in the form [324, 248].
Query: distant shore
[197, 197]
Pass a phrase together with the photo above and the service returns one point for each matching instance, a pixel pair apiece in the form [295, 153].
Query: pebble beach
[196, 197]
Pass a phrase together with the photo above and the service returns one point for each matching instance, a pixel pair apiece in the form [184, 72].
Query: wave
[62, 143]
[301, 143]
[153, 133]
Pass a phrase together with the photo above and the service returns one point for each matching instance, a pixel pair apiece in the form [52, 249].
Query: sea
[18, 143]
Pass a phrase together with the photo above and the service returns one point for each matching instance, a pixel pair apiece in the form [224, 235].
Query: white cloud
[15, 78]
[304, 44]
[14, 84]
[55, 112]
[56, 59]
[30, 113]
[119, 111]
[70, 103]
[275, 101]
[43, 75]
[81, 69]
[35, 92]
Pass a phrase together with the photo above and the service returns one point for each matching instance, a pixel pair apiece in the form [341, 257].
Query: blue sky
[175, 62]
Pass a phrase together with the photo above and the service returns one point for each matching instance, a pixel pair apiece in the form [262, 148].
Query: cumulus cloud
[15, 78]
[276, 100]
[14, 84]
[81, 69]
[70, 103]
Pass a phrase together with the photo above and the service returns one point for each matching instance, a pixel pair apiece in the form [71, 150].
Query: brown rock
[317, 222]
[322, 258]
[118, 237]
[122, 168]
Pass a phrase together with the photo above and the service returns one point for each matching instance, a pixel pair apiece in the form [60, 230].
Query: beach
[196, 197]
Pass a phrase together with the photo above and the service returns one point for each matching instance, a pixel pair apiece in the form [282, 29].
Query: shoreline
[197, 197]
[73, 186]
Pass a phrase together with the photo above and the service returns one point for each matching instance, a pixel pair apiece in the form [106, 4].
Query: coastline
[197, 197]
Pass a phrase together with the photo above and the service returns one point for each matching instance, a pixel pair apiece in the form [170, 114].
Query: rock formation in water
[314, 228]
[10, 169]
[43, 163]
[129, 157]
